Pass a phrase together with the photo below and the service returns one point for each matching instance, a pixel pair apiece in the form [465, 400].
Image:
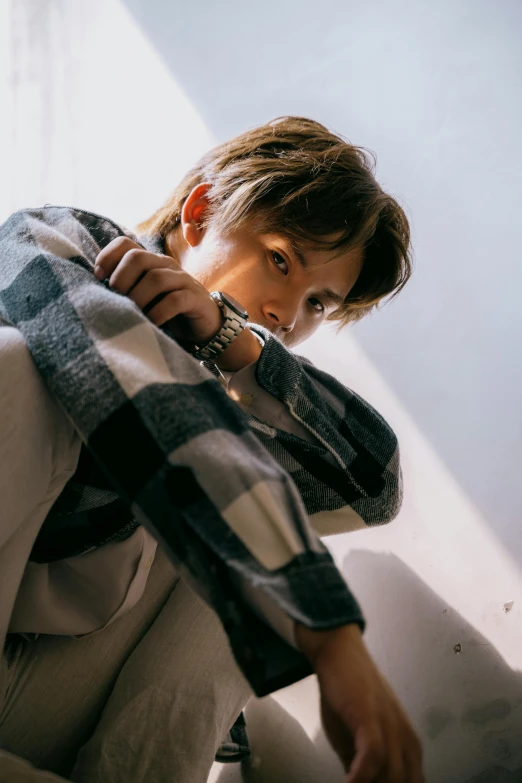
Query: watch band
[232, 327]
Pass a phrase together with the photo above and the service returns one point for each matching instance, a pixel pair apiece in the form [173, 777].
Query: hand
[361, 715]
[159, 286]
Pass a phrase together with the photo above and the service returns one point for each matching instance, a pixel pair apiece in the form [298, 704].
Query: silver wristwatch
[236, 318]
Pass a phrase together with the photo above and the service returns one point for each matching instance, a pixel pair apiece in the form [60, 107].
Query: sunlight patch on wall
[94, 118]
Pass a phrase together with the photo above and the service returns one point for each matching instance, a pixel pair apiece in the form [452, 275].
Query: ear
[193, 213]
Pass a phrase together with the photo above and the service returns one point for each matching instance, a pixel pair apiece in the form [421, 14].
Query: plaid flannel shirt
[228, 497]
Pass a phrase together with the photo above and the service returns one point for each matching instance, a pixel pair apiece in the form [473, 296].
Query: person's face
[265, 274]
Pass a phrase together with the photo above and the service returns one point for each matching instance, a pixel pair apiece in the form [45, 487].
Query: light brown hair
[294, 177]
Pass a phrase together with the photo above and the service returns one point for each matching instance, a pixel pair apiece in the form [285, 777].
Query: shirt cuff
[267, 610]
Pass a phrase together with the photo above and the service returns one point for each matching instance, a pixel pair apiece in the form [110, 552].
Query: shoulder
[353, 410]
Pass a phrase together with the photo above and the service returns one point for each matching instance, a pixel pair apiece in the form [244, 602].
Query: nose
[280, 320]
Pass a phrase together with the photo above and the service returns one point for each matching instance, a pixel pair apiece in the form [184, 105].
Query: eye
[321, 305]
[278, 260]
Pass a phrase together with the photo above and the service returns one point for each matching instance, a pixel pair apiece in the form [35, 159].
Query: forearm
[314, 643]
[243, 351]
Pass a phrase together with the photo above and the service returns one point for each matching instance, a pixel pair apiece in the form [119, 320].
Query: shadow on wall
[433, 89]
[463, 699]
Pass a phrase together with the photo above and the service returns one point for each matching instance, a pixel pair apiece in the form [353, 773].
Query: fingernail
[99, 273]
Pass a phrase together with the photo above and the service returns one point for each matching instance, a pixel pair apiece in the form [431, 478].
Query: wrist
[315, 644]
[244, 350]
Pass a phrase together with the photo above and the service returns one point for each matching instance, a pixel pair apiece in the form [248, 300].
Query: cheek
[206, 266]
[241, 277]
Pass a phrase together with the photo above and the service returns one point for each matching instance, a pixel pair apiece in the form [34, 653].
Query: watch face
[234, 305]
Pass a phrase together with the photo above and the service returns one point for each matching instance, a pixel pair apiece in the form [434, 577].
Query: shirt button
[247, 399]
[149, 562]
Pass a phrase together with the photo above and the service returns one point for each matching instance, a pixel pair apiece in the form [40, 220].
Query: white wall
[109, 101]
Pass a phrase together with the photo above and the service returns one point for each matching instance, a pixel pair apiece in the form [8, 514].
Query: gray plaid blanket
[165, 447]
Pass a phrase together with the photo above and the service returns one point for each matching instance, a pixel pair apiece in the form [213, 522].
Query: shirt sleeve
[175, 448]
[353, 478]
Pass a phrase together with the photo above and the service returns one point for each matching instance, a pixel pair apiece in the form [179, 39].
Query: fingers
[404, 752]
[161, 289]
[108, 259]
[369, 763]
[396, 765]
[391, 759]
[134, 265]
[340, 738]
[170, 306]
[125, 262]
[154, 282]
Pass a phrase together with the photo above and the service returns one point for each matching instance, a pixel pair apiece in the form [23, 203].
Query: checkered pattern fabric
[225, 495]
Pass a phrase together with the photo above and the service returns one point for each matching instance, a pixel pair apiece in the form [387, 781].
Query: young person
[118, 438]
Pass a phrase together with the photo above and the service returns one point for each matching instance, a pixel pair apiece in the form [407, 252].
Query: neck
[175, 245]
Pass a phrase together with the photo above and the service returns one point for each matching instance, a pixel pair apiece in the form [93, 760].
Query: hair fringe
[295, 177]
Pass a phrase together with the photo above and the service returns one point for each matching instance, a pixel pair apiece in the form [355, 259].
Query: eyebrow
[326, 293]
[336, 299]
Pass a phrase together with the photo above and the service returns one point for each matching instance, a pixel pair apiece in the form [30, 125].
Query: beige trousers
[148, 698]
